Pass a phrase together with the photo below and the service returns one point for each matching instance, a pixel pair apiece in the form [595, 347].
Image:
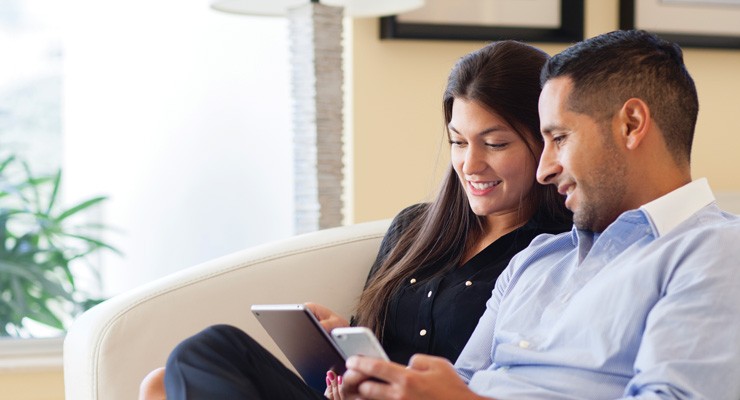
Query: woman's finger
[328, 393]
[336, 390]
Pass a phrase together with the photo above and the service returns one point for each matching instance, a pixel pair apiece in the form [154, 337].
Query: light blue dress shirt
[647, 309]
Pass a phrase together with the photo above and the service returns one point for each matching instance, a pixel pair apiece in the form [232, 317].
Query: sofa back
[111, 347]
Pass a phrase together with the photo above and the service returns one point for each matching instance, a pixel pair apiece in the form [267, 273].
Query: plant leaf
[6, 162]
[95, 242]
[55, 190]
[36, 249]
[79, 207]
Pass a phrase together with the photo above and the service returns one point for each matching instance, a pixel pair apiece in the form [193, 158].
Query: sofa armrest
[111, 347]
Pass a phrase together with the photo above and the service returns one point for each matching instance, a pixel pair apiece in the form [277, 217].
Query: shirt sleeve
[690, 348]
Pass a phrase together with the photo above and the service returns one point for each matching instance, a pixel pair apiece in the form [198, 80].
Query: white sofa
[111, 347]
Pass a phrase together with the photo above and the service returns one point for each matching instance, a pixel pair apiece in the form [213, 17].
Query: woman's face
[494, 164]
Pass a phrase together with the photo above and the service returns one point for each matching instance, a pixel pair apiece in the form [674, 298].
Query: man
[642, 298]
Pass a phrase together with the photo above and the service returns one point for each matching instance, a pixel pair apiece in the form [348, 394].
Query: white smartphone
[358, 340]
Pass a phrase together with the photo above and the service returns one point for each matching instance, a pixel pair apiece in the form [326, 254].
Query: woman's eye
[497, 145]
[457, 143]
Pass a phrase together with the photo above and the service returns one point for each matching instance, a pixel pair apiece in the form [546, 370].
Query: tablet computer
[298, 333]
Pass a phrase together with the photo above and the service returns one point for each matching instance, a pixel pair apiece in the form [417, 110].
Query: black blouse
[437, 315]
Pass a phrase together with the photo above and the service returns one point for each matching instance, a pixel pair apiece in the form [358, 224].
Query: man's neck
[654, 180]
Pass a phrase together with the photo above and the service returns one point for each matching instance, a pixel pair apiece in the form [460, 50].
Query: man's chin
[589, 223]
[570, 202]
[582, 220]
[580, 224]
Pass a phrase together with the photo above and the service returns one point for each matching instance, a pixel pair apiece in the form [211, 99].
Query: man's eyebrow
[548, 129]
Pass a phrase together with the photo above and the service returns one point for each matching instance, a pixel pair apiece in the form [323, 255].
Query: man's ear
[634, 121]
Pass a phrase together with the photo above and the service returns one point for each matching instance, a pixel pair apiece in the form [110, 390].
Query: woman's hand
[328, 318]
[333, 386]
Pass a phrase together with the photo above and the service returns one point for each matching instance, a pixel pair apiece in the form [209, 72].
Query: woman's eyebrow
[492, 129]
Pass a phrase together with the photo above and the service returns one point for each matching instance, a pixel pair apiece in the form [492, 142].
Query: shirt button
[423, 332]
[468, 283]
[429, 294]
[412, 281]
[524, 344]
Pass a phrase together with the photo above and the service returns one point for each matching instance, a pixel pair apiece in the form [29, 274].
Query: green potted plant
[39, 240]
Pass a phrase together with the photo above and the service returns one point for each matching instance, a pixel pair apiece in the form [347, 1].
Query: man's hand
[426, 377]
[328, 318]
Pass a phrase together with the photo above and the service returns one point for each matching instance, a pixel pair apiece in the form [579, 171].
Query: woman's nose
[474, 161]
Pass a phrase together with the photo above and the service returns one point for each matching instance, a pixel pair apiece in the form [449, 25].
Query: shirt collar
[668, 211]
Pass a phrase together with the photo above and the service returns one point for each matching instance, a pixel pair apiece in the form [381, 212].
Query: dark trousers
[223, 362]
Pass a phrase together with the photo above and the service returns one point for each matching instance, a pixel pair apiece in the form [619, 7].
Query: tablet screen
[298, 333]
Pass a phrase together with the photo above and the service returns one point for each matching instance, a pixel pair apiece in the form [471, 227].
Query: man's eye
[558, 139]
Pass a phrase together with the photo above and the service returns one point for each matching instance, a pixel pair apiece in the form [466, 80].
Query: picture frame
[689, 23]
[569, 28]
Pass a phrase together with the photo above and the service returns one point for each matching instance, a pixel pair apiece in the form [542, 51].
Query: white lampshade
[352, 8]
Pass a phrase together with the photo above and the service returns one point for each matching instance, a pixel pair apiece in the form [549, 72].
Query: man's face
[581, 158]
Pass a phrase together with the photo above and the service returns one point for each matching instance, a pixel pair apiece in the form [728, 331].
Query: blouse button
[412, 281]
[468, 283]
[429, 294]
[423, 332]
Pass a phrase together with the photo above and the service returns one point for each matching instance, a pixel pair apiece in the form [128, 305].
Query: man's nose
[548, 168]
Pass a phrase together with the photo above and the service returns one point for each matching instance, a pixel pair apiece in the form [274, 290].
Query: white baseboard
[30, 354]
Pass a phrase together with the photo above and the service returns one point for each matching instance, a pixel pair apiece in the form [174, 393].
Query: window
[31, 82]
[178, 113]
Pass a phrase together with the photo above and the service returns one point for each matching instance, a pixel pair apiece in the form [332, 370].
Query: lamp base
[317, 78]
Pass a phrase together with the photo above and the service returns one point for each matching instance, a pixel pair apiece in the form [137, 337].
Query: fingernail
[339, 379]
[328, 382]
[331, 375]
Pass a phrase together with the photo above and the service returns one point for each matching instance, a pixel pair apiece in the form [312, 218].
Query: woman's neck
[499, 225]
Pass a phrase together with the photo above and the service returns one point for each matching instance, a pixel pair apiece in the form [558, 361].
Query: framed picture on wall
[690, 23]
[487, 20]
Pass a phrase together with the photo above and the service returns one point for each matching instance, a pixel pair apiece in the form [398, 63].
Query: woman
[439, 261]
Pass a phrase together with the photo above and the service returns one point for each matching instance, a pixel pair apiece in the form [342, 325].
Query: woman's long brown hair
[504, 77]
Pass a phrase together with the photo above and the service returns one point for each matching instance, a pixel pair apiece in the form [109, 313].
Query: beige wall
[398, 126]
[36, 385]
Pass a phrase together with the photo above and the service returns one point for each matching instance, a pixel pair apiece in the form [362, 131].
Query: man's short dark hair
[609, 69]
